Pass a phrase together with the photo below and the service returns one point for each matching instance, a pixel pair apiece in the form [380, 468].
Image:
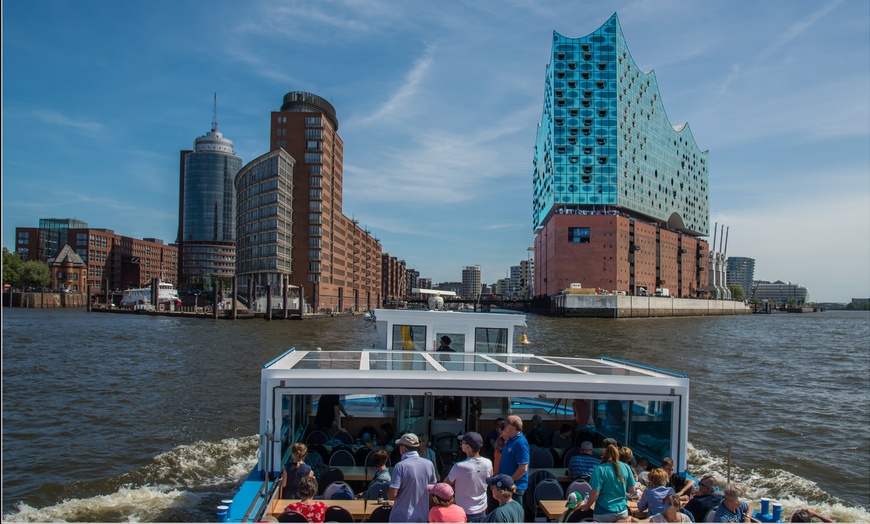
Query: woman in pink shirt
[443, 504]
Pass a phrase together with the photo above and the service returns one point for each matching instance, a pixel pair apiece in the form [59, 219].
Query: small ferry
[406, 384]
[167, 296]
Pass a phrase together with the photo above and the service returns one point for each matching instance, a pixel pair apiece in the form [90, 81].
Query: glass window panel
[490, 340]
[650, 429]
[409, 337]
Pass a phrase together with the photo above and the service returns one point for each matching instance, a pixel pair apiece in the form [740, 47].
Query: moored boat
[167, 296]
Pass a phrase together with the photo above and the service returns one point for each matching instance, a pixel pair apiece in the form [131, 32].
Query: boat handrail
[644, 366]
[279, 357]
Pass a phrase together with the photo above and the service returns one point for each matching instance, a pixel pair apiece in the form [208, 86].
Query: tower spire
[214, 115]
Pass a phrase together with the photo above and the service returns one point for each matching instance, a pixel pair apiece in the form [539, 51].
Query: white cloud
[55, 118]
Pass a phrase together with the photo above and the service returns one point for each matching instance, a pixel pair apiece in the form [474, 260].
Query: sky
[438, 104]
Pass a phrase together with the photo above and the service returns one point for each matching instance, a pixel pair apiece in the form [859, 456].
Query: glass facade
[264, 214]
[605, 141]
[208, 228]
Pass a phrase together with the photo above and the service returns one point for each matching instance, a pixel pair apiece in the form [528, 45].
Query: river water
[116, 418]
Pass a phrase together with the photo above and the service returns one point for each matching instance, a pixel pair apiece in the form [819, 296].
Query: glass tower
[605, 142]
[208, 211]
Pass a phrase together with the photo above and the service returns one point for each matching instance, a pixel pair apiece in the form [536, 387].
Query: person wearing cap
[705, 499]
[581, 465]
[515, 455]
[508, 510]
[443, 504]
[469, 477]
[575, 498]
[409, 485]
[538, 435]
[445, 344]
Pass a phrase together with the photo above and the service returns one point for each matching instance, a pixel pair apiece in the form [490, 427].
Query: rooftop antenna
[214, 115]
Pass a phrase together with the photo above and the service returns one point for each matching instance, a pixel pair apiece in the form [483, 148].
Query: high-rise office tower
[471, 282]
[620, 195]
[336, 262]
[741, 270]
[207, 210]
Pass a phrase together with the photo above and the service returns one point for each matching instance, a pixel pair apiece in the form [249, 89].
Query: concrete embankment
[36, 299]
[618, 306]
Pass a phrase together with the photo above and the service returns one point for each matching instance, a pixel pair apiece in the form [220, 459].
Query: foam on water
[186, 483]
[181, 485]
[780, 486]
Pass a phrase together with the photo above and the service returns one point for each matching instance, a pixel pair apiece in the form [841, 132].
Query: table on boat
[356, 507]
[554, 509]
[356, 473]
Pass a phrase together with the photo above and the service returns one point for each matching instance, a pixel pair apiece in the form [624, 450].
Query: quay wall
[31, 299]
[618, 306]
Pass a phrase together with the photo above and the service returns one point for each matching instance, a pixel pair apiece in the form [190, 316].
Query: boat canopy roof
[453, 366]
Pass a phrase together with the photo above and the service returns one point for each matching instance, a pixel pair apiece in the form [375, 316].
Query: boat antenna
[214, 115]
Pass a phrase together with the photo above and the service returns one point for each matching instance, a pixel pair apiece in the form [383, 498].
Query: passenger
[611, 482]
[583, 415]
[627, 456]
[606, 443]
[514, 460]
[313, 510]
[443, 504]
[445, 344]
[671, 511]
[389, 434]
[493, 437]
[411, 478]
[807, 515]
[294, 471]
[329, 411]
[538, 435]
[705, 499]
[562, 439]
[580, 466]
[469, 477]
[732, 509]
[499, 445]
[508, 510]
[654, 495]
[425, 451]
[681, 484]
[641, 475]
[575, 500]
[379, 462]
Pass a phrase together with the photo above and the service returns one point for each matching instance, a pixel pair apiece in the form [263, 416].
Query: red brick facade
[617, 253]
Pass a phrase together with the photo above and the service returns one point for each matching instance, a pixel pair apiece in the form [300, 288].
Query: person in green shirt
[508, 510]
[611, 482]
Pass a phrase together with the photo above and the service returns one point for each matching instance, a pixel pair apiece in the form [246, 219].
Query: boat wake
[188, 482]
[782, 487]
[184, 484]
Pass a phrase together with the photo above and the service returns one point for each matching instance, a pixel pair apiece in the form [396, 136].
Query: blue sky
[438, 104]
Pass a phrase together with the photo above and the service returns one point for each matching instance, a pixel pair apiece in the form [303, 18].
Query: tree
[11, 267]
[35, 274]
[737, 292]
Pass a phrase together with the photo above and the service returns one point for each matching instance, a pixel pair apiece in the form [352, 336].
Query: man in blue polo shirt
[409, 485]
[515, 455]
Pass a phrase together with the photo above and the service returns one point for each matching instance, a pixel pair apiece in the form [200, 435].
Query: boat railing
[279, 357]
[644, 366]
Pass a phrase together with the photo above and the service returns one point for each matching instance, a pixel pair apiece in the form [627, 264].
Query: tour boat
[166, 294]
[407, 383]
